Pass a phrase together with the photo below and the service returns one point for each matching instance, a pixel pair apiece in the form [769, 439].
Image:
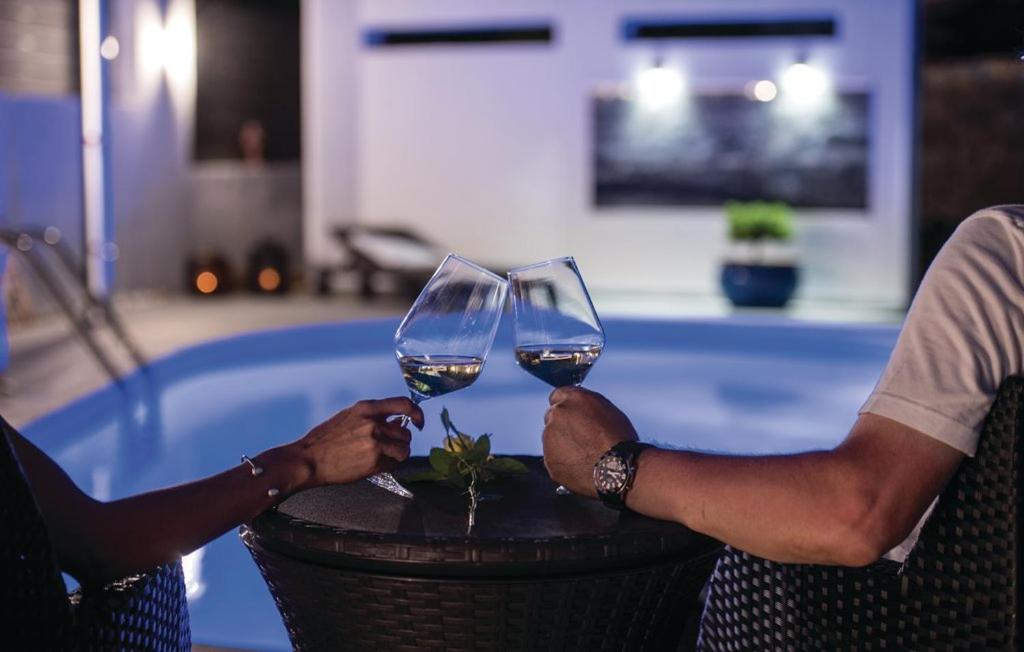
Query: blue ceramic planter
[761, 286]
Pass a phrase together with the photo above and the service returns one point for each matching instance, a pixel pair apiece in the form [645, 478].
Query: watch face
[611, 474]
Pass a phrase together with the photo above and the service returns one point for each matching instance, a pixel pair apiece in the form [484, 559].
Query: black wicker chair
[144, 612]
[959, 590]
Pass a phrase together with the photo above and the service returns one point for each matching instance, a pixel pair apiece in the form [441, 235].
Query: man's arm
[98, 542]
[845, 506]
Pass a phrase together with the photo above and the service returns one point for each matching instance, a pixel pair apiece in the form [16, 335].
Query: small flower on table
[465, 463]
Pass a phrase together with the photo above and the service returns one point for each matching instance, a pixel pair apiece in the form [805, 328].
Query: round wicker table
[355, 567]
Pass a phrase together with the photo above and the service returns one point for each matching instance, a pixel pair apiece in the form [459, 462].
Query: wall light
[168, 46]
[110, 48]
[763, 90]
[151, 43]
[805, 83]
[179, 58]
[659, 87]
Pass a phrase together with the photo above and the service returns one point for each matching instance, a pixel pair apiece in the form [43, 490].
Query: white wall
[151, 116]
[330, 45]
[487, 149]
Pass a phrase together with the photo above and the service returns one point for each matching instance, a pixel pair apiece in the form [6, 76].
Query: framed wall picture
[711, 148]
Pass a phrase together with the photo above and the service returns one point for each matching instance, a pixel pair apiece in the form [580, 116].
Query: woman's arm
[98, 542]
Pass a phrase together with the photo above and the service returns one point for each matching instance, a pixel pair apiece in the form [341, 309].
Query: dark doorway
[248, 80]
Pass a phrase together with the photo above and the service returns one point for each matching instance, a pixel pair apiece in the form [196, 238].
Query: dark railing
[63, 277]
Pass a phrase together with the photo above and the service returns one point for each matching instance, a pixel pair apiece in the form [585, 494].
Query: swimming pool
[744, 386]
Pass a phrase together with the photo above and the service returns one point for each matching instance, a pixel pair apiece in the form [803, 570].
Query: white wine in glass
[558, 335]
[444, 339]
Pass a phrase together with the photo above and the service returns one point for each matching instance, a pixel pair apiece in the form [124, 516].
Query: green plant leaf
[758, 220]
[424, 476]
[483, 446]
[506, 466]
[481, 450]
[441, 460]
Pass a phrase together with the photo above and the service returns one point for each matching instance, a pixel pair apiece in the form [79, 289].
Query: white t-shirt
[963, 335]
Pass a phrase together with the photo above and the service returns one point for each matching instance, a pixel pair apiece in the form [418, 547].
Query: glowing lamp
[804, 83]
[268, 268]
[659, 87]
[269, 279]
[764, 90]
[167, 46]
[207, 282]
[208, 275]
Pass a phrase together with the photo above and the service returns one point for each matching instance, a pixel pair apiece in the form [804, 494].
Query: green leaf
[506, 466]
[483, 446]
[759, 220]
[424, 476]
[478, 455]
[441, 460]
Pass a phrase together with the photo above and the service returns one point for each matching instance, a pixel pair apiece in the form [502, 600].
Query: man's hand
[358, 441]
[580, 427]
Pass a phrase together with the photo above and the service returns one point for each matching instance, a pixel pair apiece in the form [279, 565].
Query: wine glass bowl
[443, 341]
[428, 376]
[558, 335]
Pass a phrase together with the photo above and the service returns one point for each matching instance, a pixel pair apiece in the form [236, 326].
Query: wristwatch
[615, 471]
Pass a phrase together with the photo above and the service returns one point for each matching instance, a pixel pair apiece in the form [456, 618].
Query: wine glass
[558, 335]
[444, 339]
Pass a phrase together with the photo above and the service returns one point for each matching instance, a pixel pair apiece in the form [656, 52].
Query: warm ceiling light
[207, 282]
[269, 279]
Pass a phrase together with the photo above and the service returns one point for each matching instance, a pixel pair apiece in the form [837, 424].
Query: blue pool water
[734, 386]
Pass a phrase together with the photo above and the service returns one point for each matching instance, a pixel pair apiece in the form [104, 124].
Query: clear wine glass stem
[386, 480]
[405, 419]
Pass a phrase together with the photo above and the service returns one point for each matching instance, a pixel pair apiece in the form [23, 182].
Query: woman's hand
[357, 442]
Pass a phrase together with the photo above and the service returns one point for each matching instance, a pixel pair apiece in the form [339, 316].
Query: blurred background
[173, 171]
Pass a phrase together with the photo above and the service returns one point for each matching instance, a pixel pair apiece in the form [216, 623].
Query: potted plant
[760, 270]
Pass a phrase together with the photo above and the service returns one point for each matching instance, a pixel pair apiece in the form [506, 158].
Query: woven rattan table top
[527, 530]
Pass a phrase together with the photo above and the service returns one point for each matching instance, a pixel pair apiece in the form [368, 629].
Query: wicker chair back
[959, 589]
[144, 612]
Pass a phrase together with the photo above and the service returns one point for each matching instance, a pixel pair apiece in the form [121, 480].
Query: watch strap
[628, 452]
